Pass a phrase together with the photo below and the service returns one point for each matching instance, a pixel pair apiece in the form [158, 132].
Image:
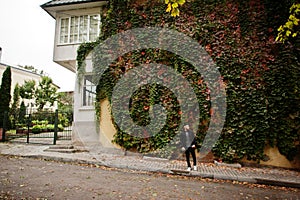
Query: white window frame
[88, 101]
[78, 29]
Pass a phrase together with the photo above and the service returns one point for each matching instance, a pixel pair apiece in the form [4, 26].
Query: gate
[42, 127]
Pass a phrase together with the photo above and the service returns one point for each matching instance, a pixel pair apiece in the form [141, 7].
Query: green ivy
[261, 76]
[149, 95]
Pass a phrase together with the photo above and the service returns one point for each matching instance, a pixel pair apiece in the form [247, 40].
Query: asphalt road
[26, 178]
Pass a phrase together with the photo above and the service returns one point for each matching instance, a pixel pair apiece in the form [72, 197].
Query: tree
[14, 111]
[22, 112]
[5, 95]
[45, 93]
[65, 105]
[27, 90]
[65, 101]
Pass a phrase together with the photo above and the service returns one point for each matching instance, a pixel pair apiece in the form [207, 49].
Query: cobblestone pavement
[116, 158]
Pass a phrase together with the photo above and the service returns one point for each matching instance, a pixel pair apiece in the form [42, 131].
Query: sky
[27, 38]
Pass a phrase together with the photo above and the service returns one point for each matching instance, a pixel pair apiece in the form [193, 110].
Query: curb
[277, 183]
[61, 159]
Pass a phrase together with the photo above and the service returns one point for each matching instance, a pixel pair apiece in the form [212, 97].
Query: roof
[54, 6]
[20, 69]
[66, 2]
[26, 71]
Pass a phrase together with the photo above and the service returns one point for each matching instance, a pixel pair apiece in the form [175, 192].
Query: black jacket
[187, 139]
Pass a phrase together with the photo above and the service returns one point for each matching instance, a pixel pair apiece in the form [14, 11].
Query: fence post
[28, 127]
[55, 127]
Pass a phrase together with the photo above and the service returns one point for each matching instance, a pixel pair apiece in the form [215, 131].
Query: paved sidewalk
[115, 158]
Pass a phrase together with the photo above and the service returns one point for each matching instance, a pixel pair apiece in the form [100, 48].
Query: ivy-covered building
[261, 75]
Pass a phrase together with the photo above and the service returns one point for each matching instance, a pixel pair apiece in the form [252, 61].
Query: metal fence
[41, 127]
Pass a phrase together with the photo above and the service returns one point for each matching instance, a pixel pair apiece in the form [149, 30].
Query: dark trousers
[189, 151]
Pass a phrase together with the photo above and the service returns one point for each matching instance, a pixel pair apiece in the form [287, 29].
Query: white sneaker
[189, 169]
[195, 168]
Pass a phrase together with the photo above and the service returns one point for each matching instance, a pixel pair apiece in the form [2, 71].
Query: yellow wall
[278, 160]
[107, 129]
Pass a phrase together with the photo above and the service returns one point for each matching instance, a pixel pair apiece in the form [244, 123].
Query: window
[78, 29]
[74, 30]
[89, 91]
[93, 33]
[64, 30]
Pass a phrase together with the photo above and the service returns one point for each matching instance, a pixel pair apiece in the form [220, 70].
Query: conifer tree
[22, 112]
[5, 95]
[14, 111]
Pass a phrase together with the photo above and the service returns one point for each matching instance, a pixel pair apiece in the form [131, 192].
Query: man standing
[189, 146]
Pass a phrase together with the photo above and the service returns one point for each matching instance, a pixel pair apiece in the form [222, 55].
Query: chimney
[0, 53]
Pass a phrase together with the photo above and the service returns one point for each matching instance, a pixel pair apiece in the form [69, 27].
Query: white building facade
[78, 21]
[19, 76]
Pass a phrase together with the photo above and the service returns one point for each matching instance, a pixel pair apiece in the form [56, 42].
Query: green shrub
[36, 129]
[44, 122]
[35, 122]
[43, 116]
[50, 127]
[60, 127]
[63, 120]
